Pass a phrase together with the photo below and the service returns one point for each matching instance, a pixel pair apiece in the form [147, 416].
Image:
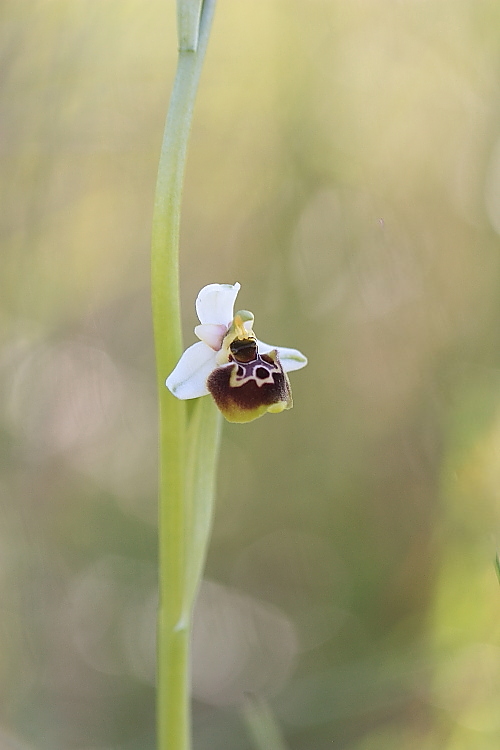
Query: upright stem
[173, 714]
[262, 725]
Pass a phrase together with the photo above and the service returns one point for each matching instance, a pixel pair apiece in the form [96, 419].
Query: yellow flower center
[237, 332]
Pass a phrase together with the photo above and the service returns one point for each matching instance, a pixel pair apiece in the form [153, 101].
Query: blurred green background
[344, 166]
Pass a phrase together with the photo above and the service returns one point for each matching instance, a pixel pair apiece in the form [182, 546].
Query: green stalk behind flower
[176, 509]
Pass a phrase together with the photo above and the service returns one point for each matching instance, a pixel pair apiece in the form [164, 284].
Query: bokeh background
[344, 166]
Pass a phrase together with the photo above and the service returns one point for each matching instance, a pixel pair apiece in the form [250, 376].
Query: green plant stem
[262, 725]
[173, 714]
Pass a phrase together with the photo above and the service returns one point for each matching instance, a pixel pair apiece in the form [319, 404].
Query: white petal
[215, 303]
[189, 378]
[212, 335]
[291, 359]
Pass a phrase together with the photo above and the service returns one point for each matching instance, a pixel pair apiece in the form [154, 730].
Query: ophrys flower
[245, 376]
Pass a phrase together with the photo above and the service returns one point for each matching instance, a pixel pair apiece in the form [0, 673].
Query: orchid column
[177, 585]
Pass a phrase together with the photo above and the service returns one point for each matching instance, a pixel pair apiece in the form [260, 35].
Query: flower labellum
[245, 377]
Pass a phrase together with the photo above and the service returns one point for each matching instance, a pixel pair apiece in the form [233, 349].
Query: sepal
[215, 303]
[291, 359]
[189, 378]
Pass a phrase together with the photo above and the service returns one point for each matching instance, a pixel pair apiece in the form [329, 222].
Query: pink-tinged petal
[212, 335]
[291, 359]
[189, 377]
[215, 303]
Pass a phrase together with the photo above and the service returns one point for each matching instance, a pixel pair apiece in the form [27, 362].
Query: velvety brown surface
[250, 395]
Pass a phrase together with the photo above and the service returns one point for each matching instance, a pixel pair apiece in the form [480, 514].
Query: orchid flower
[245, 376]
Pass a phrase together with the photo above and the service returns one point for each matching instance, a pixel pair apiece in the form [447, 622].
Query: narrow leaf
[201, 466]
[262, 724]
